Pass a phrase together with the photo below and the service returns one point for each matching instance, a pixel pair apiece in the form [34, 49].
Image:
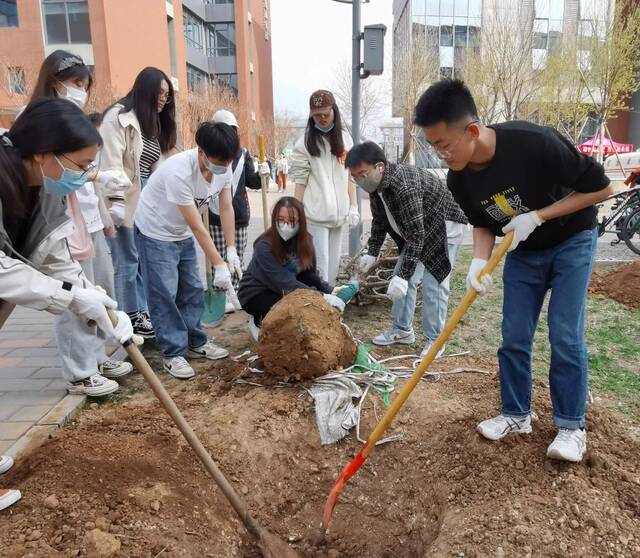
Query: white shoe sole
[495, 438]
[179, 375]
[555, 454]
[9, 499]
[144, 335]
[192, 354]
[93, 392]
[402, 341]
[6, 462]
[126, 368]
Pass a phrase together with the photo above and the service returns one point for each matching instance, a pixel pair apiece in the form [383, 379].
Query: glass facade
[196, 79]
[547, 24]
[66, 21]
[193, 30]
[221, 40]
[8, 13]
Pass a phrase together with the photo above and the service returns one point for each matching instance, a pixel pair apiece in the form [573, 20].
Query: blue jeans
[435, 300]
[175, 293]
[127, 273]
[528, 275]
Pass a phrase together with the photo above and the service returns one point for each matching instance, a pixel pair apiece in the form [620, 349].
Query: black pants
[259, 305]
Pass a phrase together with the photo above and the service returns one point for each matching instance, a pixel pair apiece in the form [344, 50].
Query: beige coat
[121, 154]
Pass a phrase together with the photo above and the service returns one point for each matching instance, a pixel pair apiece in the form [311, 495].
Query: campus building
[450, 28]
[196, 42]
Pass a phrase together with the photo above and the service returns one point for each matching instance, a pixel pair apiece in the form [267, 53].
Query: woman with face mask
[64, 75]
[322, 183]
[139, 131]
[283, 261]
[48, 154]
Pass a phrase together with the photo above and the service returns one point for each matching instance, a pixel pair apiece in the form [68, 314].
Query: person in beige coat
[322, 183]
[138, 132]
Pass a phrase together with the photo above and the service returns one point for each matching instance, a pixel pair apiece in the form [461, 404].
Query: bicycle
[624, 215]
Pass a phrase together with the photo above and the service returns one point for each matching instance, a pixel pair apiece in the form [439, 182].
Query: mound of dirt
[302, 337]
[621, 284]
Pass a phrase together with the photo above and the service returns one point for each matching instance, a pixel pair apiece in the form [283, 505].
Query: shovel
[214, 299]
[270, 545]
[353, 467]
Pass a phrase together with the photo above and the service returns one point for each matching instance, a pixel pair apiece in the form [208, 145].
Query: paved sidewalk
[31, 384]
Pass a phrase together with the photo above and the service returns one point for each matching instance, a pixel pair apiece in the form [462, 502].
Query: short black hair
[448, 101]
[367, 152]
[218, 140]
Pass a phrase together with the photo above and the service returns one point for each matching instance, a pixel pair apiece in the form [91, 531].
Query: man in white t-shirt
[168, 217]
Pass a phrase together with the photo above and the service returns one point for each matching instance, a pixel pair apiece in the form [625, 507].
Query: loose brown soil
[622, 284]
[439, 491]
[302, 338]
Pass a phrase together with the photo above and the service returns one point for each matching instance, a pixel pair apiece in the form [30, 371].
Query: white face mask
[76, 96]
[287, 231]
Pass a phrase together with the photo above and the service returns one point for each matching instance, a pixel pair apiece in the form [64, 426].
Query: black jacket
[265, 272]
[248, 179]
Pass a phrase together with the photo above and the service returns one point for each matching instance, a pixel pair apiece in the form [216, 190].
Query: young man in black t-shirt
[526, 178]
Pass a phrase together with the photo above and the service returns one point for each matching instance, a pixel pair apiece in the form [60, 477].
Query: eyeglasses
[165, 97]
[90, 171]
[282, 222]
[445, 153]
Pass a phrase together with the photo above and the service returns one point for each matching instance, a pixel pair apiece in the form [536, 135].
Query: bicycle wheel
[631, 231]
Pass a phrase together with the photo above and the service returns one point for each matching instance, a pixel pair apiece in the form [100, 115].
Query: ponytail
[12, 180]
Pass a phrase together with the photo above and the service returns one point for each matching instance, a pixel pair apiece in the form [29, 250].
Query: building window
[193, 30]
[66, 21]
[230, 80]
[17, 81]
[222, 39]
[196, 79]
[8, 13]
[218, 1]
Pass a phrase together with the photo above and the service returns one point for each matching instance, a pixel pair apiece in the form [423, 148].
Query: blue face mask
[216, 169]
[325, 130]
[69, 182]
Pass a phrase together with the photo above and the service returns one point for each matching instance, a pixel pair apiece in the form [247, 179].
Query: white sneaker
[254, 330]
[178, 367]
[115, 368]
[6, 462]
[8, 497]
[568, 445]
[209, 350]
[427, 348]
[393, 336]
[93, 386]
[498, 427]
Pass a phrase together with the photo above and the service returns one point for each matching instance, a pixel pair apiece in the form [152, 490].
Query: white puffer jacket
[326, 181]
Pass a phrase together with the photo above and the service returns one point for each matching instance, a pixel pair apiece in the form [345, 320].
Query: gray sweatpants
[80, 346]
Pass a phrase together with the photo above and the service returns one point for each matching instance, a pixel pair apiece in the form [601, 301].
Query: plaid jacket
[420, 203]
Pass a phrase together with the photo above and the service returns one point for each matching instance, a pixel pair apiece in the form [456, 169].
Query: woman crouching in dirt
[283, 261]
[48, 153]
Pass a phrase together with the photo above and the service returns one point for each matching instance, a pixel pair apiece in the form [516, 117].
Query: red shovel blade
[350, 470]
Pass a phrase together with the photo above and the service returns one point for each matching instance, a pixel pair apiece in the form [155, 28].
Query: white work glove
[353, 218]
[482, 286]
[397, 288]
[123, 330]
[366, 263]
[337, 303]
[222, 277]
[116, 211]
[263, 169]
[92, 305]
[233, 261]
[522, 226]
[113, 180]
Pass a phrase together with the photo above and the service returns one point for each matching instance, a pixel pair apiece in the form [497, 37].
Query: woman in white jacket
[322, 183]
[138, 132]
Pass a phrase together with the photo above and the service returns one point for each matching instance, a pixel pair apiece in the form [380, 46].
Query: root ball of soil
[302, 337]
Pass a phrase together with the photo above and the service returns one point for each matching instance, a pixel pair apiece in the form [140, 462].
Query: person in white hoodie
[322, 182]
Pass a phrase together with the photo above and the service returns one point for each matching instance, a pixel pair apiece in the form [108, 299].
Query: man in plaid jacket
[419, 213]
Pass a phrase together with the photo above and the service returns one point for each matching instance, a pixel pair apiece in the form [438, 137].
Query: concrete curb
[61, 414]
